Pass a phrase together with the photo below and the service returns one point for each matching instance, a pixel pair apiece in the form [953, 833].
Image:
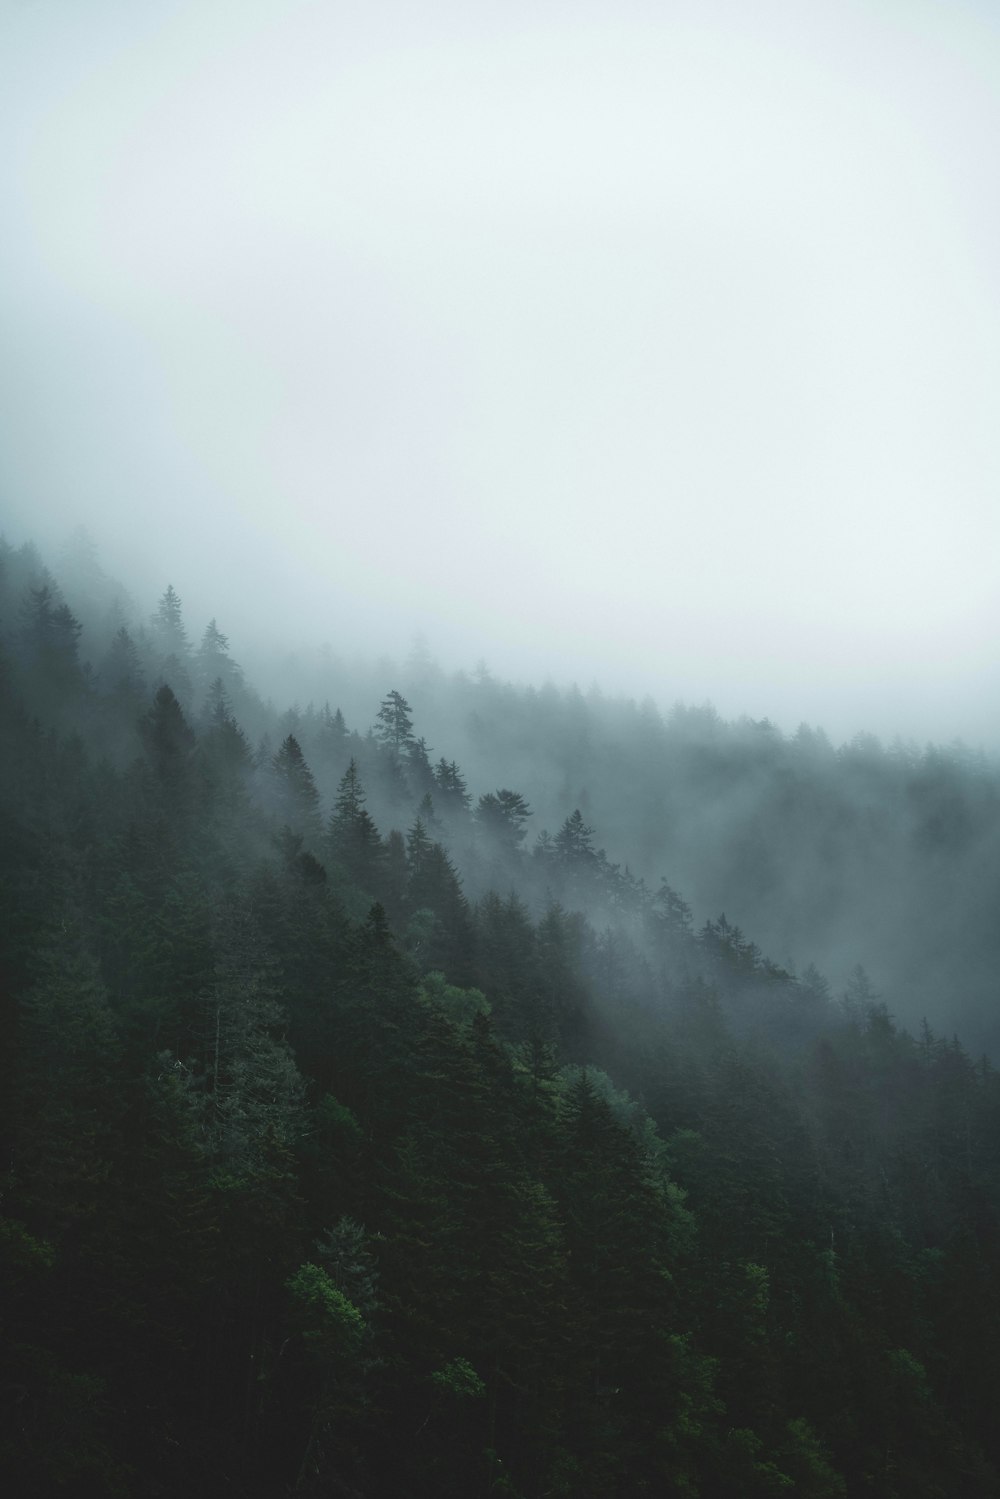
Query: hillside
[511, 1091]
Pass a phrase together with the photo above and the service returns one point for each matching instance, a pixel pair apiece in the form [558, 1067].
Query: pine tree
[502, 815]
[172, 648]
[213, 662]
[574, 843]
[434, 888]
[330, 739]
[506, 966]
[50, 635]
[121, 672]
[394, 726]
[418, 769]
[245, 1086]
[353, 838]
[450, 789]
[295, 797]
[69, 1048]
[225, 755]
[169, 743]
[168, 626]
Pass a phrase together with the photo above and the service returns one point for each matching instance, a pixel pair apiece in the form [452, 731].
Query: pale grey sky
[656, 344]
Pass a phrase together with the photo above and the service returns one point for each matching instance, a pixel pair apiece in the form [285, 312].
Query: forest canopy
[509, 1091]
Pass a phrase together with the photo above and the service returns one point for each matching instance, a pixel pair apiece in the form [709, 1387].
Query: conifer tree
[50, 635]
[246, 1089]
[121, 672]
[68, 1051]
[353, 837]
[418, 768]
[225, 754]
[168, 741]
[394, 726]
[502, 816]
[330, 739]
[172, 648]
[168, 625]
[296, 799]
[213, 662]
[450, 789]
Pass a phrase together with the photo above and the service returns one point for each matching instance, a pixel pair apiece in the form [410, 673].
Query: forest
[420, 1085]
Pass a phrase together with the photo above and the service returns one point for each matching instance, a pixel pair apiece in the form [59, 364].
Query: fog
[655, 346]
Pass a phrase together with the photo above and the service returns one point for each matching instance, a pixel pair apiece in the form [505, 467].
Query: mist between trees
[392, 1108]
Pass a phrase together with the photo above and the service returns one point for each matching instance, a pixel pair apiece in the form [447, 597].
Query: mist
[499, 777]
[647, 347]
[499, 728]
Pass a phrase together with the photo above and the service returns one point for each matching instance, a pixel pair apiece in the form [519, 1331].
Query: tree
[394, 726]
[428, 816]
[353, 837]
[168, 741]
[214, 663]
[563, 995]
[121, 673]
[50, 635]
[334, 1334]
[574, 842]
[434, 888]
[68, 1050]
[122, 683]
[168, 626]
[576, 861]
[225, 754]
[245, 1085]
[450, 789]
[172, 646]
[296, 799]
[634, 1384]
[502, 815]
[507, 967]
[418, 767]
[330, 738]
[394, 879]
[418, 847]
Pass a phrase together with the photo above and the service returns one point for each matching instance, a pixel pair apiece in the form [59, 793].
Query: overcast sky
[653, 344]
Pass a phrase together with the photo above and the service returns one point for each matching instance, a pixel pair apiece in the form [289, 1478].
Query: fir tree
[394, 726]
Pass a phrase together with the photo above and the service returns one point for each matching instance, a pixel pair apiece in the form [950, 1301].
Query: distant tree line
[359, 1141]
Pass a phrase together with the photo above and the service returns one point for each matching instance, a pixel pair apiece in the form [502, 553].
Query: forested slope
[360, 1141]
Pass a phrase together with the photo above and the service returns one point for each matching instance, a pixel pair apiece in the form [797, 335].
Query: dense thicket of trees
[361, 1141]
[881, 854]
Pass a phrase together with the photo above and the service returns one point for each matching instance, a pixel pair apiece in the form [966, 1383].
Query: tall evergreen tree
[213, 662]
[502, 816]
[451, 791]
[169, 743]
[295, 797]
[168, 626]
[394, 726]
[353, 838]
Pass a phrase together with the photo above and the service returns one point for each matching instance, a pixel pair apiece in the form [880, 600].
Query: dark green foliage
[49, 651]
[353, 839]
[169, 744]
[322, 1179]
[294, 797]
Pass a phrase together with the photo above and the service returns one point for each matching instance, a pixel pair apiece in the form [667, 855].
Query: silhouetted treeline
[363, 1138]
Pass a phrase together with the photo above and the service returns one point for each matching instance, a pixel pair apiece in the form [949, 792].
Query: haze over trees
[508, 1092]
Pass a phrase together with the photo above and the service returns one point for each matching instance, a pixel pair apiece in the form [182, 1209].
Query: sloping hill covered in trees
[362, 1140]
